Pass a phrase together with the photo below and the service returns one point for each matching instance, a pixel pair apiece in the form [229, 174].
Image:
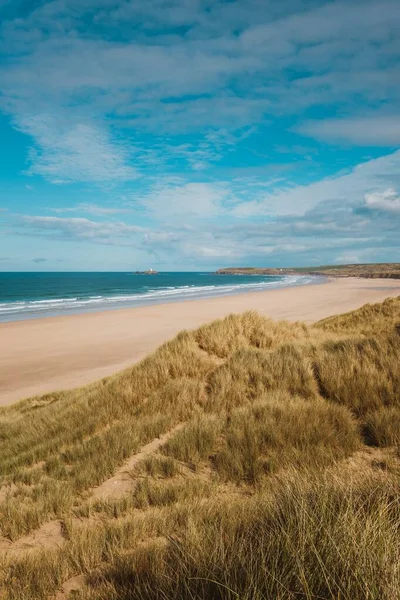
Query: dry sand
[52, 353]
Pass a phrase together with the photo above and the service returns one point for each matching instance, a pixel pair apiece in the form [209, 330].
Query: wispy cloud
[356, 215]
[375, 130]
[235, 65]
[179, 201]
[78, 229]
[188, 123]
[349, 188]
[91, 209]
[66, 152]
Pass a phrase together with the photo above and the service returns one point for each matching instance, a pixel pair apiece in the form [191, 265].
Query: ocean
[34, 295]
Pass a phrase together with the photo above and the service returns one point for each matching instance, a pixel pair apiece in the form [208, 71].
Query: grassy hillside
[248, 459]
[369, 271]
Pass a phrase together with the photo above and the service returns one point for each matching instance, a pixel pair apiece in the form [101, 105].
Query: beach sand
[48, 354]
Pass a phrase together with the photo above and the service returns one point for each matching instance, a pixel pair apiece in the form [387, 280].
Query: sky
[198, 134]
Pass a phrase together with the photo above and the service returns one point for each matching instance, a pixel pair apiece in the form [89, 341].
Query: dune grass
[300, 539]
[362, 373]
[279, 431]
[264, 491]
[369, 319]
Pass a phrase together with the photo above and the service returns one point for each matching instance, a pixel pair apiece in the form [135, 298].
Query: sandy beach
[44, 355]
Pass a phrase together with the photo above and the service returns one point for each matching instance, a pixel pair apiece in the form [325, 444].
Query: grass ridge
[269, 420]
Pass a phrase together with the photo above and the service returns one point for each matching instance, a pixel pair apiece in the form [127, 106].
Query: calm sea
[33, 295]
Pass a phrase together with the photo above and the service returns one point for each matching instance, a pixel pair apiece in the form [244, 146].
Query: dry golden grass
[382, 427]
[361, 373]
[224, 336]
[250, 373]
[160, 465]
[298, 539]
[369, 319]
[279, 431]
[195, 441]
[253, 497]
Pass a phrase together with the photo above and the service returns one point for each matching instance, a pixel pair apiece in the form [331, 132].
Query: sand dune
[42, 355]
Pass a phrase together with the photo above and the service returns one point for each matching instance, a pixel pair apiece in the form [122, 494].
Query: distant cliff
[374, 271]
[250, 271]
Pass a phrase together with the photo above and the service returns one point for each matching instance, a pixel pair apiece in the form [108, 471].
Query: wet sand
[44, 355]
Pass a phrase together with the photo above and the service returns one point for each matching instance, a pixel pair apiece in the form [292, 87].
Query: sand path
[44, 355]
[50, 535]
[122, 481]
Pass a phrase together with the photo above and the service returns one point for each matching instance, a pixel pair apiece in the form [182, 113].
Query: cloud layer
[206, 131]
[191, 67]
[322, 222]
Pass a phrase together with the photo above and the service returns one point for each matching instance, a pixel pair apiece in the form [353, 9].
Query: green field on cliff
[365, 271]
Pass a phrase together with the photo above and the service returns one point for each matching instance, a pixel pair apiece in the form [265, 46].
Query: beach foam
[25, 309]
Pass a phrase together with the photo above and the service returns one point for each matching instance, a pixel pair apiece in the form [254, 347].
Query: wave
[53, 306]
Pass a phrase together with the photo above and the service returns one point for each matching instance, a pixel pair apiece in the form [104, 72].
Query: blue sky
[196, 134]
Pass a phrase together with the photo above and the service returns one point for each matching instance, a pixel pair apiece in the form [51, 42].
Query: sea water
[33, 295]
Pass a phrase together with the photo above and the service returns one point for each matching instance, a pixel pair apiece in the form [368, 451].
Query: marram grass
[265, 464]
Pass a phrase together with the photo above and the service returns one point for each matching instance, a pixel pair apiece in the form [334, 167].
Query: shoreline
[63, 307]
[52, 353]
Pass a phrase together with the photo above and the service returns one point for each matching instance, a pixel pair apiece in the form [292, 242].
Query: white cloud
[180, 201]
[350, 188]
[92, 209]
[235, 63]
[388, 201]
[374, 130]
[67, 152]
[79, 228]
[354, 257]
[185, 97]
[319, 236]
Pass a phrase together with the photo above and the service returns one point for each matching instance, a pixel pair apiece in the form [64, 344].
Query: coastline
[101, 297]
[50, 353]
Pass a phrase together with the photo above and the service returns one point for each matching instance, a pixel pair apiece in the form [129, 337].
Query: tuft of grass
[361, 373]
[382, 427]
[281, 430]
[195, 441]
[32, 576]
[235, 332]
[250, 373]
[369, 319]
[156, 493]
[160, 466]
